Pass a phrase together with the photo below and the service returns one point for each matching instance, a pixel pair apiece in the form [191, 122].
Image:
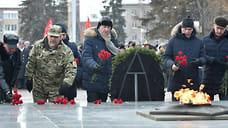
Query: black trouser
[92, 96]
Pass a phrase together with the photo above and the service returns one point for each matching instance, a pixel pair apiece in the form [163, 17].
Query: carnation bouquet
[103, 55]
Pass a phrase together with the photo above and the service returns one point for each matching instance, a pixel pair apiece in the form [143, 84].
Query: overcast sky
[87, 7]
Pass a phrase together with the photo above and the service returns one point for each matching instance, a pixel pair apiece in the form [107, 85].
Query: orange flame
[187, 96]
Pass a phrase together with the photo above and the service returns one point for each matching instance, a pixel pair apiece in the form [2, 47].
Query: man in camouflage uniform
[50, 65]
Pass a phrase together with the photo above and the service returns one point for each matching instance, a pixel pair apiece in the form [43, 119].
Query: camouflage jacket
[50, 68]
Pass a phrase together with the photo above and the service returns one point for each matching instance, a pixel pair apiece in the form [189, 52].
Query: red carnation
[39, 102]
[120, 101]
[97, 101]
[53, 101]
[180, 52]
[16, 98]
[72, 101]
[103, 55]
[115, 101]
[77, 61]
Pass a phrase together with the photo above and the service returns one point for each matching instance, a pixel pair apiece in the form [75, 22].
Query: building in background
[134, 29]
[9, 22]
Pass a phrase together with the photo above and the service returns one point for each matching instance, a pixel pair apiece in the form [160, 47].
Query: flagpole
[74, 20]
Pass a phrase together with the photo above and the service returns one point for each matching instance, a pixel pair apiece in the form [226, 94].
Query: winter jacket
[11, 65]
[48, 68]
[93, 45]
[3, 85]
[191, 47]
[71, 92]
[24, 58]
[213, 71]
[77, 55]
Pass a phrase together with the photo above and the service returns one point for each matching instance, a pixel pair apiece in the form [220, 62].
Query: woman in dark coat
[184, 41]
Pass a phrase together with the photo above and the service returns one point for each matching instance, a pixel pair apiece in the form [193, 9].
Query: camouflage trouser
[44, 95]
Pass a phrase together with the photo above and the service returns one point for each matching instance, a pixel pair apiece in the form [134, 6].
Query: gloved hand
[29, 85]
[97, 69]
[63, 89]
[195, 62]
[9, 97]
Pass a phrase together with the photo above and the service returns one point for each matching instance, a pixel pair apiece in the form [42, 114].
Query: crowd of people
[54, 67]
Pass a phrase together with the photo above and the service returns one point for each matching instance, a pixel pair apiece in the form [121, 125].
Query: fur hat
[105, 21]
[187, 22]
[221, 22]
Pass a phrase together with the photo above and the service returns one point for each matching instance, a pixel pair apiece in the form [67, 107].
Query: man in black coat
[216, 47]
[184, 43]
[71, 92]
[9, 65]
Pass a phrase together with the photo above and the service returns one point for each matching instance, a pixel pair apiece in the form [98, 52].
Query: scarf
[108, 43]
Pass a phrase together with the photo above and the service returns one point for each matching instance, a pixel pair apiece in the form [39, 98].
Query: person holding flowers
[100, 45]
[183, 55]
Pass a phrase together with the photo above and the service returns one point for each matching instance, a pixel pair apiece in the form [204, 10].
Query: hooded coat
[192, 47]
[93, 44]
[214, 72]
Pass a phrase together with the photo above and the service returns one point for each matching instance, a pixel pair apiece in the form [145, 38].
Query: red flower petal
[120, 101]
[15, 91]
[72, 101]
[115, 101]
[180, 52]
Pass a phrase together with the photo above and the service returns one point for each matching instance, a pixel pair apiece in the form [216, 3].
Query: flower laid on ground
[103, 55]
[97, 101]
[16, 98]
[61, 100]
[72, 102]
[116, 101]
[40, 102]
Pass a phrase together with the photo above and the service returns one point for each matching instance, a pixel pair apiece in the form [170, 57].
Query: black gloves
[68, 91]
[9, 97]
[97, 69]
[29, 85]
[195, 62]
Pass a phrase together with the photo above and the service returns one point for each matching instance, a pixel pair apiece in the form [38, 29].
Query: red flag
[46, 29]
[87, 24]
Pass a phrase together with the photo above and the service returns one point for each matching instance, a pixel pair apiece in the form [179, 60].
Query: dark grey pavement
[84, 115]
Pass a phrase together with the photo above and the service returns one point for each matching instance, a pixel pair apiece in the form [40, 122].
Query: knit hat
[221, 22]
[105, 21]
[63, 27]
[187, 22]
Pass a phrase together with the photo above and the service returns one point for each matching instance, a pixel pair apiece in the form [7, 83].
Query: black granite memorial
[138, 77]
